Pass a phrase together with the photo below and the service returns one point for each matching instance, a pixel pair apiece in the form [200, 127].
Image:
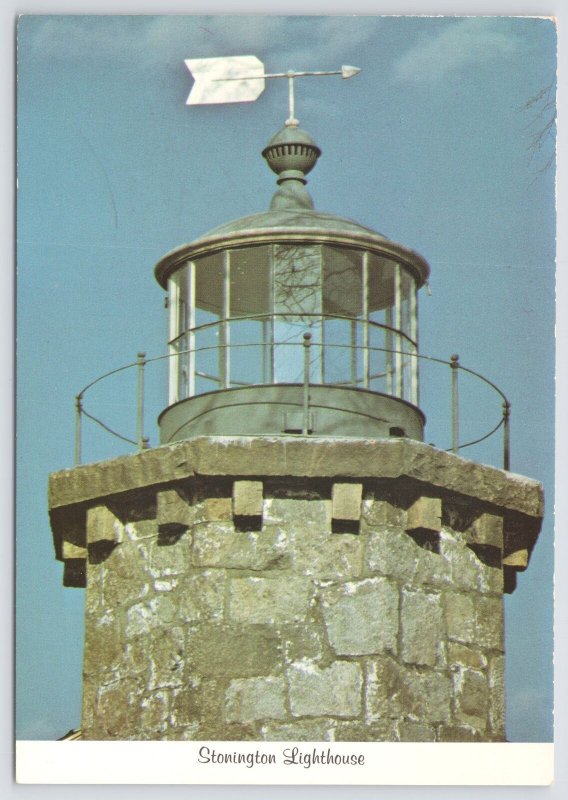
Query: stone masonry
[293, 589]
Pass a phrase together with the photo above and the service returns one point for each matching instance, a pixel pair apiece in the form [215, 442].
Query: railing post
[306, 408]
[455, 364]
[506, 435]
[140, 405]
[78, 410]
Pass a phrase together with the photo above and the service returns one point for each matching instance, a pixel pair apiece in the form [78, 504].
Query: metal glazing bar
[174, 332]
[506, 435]
[414, 337]
[389, 348]
[78, 410]
[399, 385]
[265, 351]
[454, 366]
[225, 354]
[189, 390]
[365, 317]
[354, 352]
[140, 404]
[306, 398]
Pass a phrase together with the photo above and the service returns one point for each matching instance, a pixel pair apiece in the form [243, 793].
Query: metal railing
[141, 442]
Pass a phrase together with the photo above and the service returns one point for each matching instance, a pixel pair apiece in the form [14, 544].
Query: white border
[193, 763]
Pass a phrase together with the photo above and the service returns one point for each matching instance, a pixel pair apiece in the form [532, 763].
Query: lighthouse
[293, 561]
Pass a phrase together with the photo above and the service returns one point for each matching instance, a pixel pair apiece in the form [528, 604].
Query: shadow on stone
[245, 524]
[488, 554]
[426, 538]
[170, 533]
[345, 526]
[100, 551]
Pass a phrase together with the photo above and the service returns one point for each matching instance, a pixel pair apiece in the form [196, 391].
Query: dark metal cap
[291, 154]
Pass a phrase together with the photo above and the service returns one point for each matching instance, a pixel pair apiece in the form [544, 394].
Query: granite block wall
[333, 611]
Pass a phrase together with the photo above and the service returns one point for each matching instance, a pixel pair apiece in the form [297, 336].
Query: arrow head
[349, 72]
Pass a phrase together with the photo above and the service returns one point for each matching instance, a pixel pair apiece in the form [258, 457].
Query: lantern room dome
[293, 225]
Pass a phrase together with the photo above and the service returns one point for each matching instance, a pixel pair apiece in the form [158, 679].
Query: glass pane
[342, 282]
[208, 368]
[250, 282]
[381, 286]
[180, 365]
[179, 301]
[297, 280]
[343, 358]
[380, 360]
[250, 358]
[209, 284]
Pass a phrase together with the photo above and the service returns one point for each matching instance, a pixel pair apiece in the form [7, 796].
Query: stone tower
[293, 562]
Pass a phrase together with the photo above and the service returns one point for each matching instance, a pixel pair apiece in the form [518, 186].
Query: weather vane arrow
[240, 79]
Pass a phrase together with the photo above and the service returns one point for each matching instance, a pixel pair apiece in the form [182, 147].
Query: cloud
[460, 44]
[289, 42]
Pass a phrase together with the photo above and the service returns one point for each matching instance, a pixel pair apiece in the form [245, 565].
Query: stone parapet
[232, 594]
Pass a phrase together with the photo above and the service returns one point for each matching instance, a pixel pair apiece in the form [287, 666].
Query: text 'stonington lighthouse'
[293, 562]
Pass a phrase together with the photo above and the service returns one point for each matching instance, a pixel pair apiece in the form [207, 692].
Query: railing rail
[141, 441]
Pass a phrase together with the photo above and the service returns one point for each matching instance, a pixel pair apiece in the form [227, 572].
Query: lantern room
[292, 321]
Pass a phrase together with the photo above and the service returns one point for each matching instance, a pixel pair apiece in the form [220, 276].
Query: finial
[291, 154]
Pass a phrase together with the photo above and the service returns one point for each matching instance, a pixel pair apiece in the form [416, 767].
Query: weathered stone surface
[422, 627]
[465, 567]
[458, 733]
[218, 545]
[334, 691]
[153, 613]
[381, 731]
[103, 526]
[233, 651]
[463, 656]
[173, 509]
[153, 715]
[326, 555]
[432, 569]
[201, 595]
[273, 599]
[486, 529]
[71, 550]
[214, 509]
[394, 691]
[489, 622]
[377, 513]
[346, 501]
[247, 498]
[471, 691]
[115, 716]
[415, 732]
[297, 513]
[317, 457]
[361, 617]
[304, 640]
[170, 557]
[519, 559]
[165, 654]
[425, 514]
[103, 644]
[301, 730]
[392, 553]
[249, 699]
[460, 616]
[496, 677]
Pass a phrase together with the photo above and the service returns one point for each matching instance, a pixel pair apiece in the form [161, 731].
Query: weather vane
[240, 79]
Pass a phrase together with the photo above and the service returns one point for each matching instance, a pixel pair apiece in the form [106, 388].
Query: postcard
[285, 308]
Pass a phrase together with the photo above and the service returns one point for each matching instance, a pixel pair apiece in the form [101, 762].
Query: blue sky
[430, 145]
